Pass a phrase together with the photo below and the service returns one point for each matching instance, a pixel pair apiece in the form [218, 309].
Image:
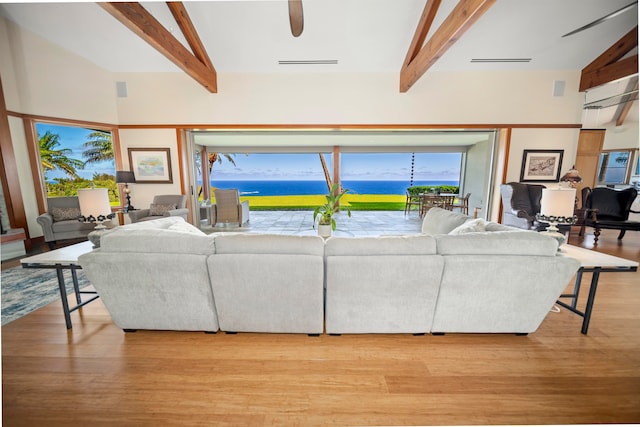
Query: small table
[595, 263]
[64, 259]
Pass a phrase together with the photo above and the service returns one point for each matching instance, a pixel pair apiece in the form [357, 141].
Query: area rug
[25, 290]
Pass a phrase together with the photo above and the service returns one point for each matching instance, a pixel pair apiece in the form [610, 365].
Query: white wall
[142, 194]
[334, 98]
[51, 81]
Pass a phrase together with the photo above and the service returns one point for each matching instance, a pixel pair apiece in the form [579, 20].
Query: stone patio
[361, 223]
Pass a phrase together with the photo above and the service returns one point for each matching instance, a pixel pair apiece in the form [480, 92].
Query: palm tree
[53, 158]
[98, 147]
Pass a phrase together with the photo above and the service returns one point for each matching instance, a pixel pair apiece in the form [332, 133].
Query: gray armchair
[161, 206]
[228, 208]
[60, 222]
[520, 204]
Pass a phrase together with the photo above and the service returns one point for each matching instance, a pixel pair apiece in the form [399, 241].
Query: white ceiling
[251, 36]
[363, 35]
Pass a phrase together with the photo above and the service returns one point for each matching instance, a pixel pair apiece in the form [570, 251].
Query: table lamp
[126, 177]
[556, 207]
[94, 206]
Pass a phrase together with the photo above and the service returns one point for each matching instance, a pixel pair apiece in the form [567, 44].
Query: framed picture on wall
[541, 165]
[151, 165]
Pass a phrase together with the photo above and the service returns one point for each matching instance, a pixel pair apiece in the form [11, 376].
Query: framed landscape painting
[151, 165]
[541, 165]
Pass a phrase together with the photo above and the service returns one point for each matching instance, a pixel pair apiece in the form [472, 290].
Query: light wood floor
[97, 375]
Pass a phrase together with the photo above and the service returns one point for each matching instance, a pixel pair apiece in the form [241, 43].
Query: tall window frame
[615, 167]
[31, 135]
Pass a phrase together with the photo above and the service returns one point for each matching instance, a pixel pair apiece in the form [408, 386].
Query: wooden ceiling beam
[183, 20]
[609, 73]
[140, 21]
[426, 20]
[461, 18]
[623, 109]
[609, 66]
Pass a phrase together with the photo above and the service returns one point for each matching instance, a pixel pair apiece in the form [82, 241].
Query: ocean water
[290, 188]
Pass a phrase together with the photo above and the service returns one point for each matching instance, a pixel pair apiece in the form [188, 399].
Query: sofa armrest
[183, 212]
[46, 222]
[136, 215]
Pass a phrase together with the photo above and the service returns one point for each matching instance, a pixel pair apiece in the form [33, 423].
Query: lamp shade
[126, 177]
[558, 202]
[94, 202]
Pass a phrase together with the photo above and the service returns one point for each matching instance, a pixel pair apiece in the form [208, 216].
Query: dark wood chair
[412, 200]
[608, 209]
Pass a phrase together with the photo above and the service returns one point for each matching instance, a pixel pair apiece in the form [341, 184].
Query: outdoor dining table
[442, 200]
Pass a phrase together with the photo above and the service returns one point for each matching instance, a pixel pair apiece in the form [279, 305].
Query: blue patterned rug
[25, 290]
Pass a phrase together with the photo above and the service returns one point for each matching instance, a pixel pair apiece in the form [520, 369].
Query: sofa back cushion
[442, 221]
[166, 237]
[382, 245]
[497, 243]
[276, 244]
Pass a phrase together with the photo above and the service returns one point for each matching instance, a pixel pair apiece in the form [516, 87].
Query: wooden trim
[137, 19]
[504, 149]
[461, 18]
[329, 127]
[181, 16]
[608, 66]
[9, 173]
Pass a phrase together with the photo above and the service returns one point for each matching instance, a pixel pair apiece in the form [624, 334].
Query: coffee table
[64, 259]
[595, 263]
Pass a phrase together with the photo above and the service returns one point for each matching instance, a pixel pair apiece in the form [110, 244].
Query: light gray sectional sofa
[459, 275]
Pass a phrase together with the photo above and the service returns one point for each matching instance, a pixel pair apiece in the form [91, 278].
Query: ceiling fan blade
[296, 20]
[604, 18]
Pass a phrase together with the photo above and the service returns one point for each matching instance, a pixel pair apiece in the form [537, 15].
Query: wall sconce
[557, 207]
[94, 206]
[126, 177]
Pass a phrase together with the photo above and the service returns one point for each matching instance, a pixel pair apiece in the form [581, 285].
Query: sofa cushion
[382, 245]
[494, 226]
[497, 243]
[160, 210]
[156, 240]
[471, 226]
[185, 227]
[235, 243]
[442, 221]
[62, 214]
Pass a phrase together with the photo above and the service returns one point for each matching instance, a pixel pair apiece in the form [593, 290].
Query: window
[74, 157]
[614, 166]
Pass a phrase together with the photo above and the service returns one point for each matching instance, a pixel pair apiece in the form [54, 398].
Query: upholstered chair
[606, 208]
[161, 206]
[521, 203]
[60, 222]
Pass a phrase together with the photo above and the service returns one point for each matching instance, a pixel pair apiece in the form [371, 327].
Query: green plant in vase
[324, 214]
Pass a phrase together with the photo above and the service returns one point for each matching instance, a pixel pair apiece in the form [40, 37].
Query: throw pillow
[442, 221]
[473, 226]
[63, 214]
[160, 210]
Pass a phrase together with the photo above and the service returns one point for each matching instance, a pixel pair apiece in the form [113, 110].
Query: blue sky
[354, 166]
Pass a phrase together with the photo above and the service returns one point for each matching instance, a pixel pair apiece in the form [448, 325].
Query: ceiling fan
[601, 20]
[296, 20]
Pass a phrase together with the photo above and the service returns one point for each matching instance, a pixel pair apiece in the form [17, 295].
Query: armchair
[521, 203]
[161, 206]
[228, 208]
[60, 222]
[608, 209]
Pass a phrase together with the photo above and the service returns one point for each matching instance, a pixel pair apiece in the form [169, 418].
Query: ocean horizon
[301, 187]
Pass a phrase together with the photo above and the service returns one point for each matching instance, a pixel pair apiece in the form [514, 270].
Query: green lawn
[361, 202]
